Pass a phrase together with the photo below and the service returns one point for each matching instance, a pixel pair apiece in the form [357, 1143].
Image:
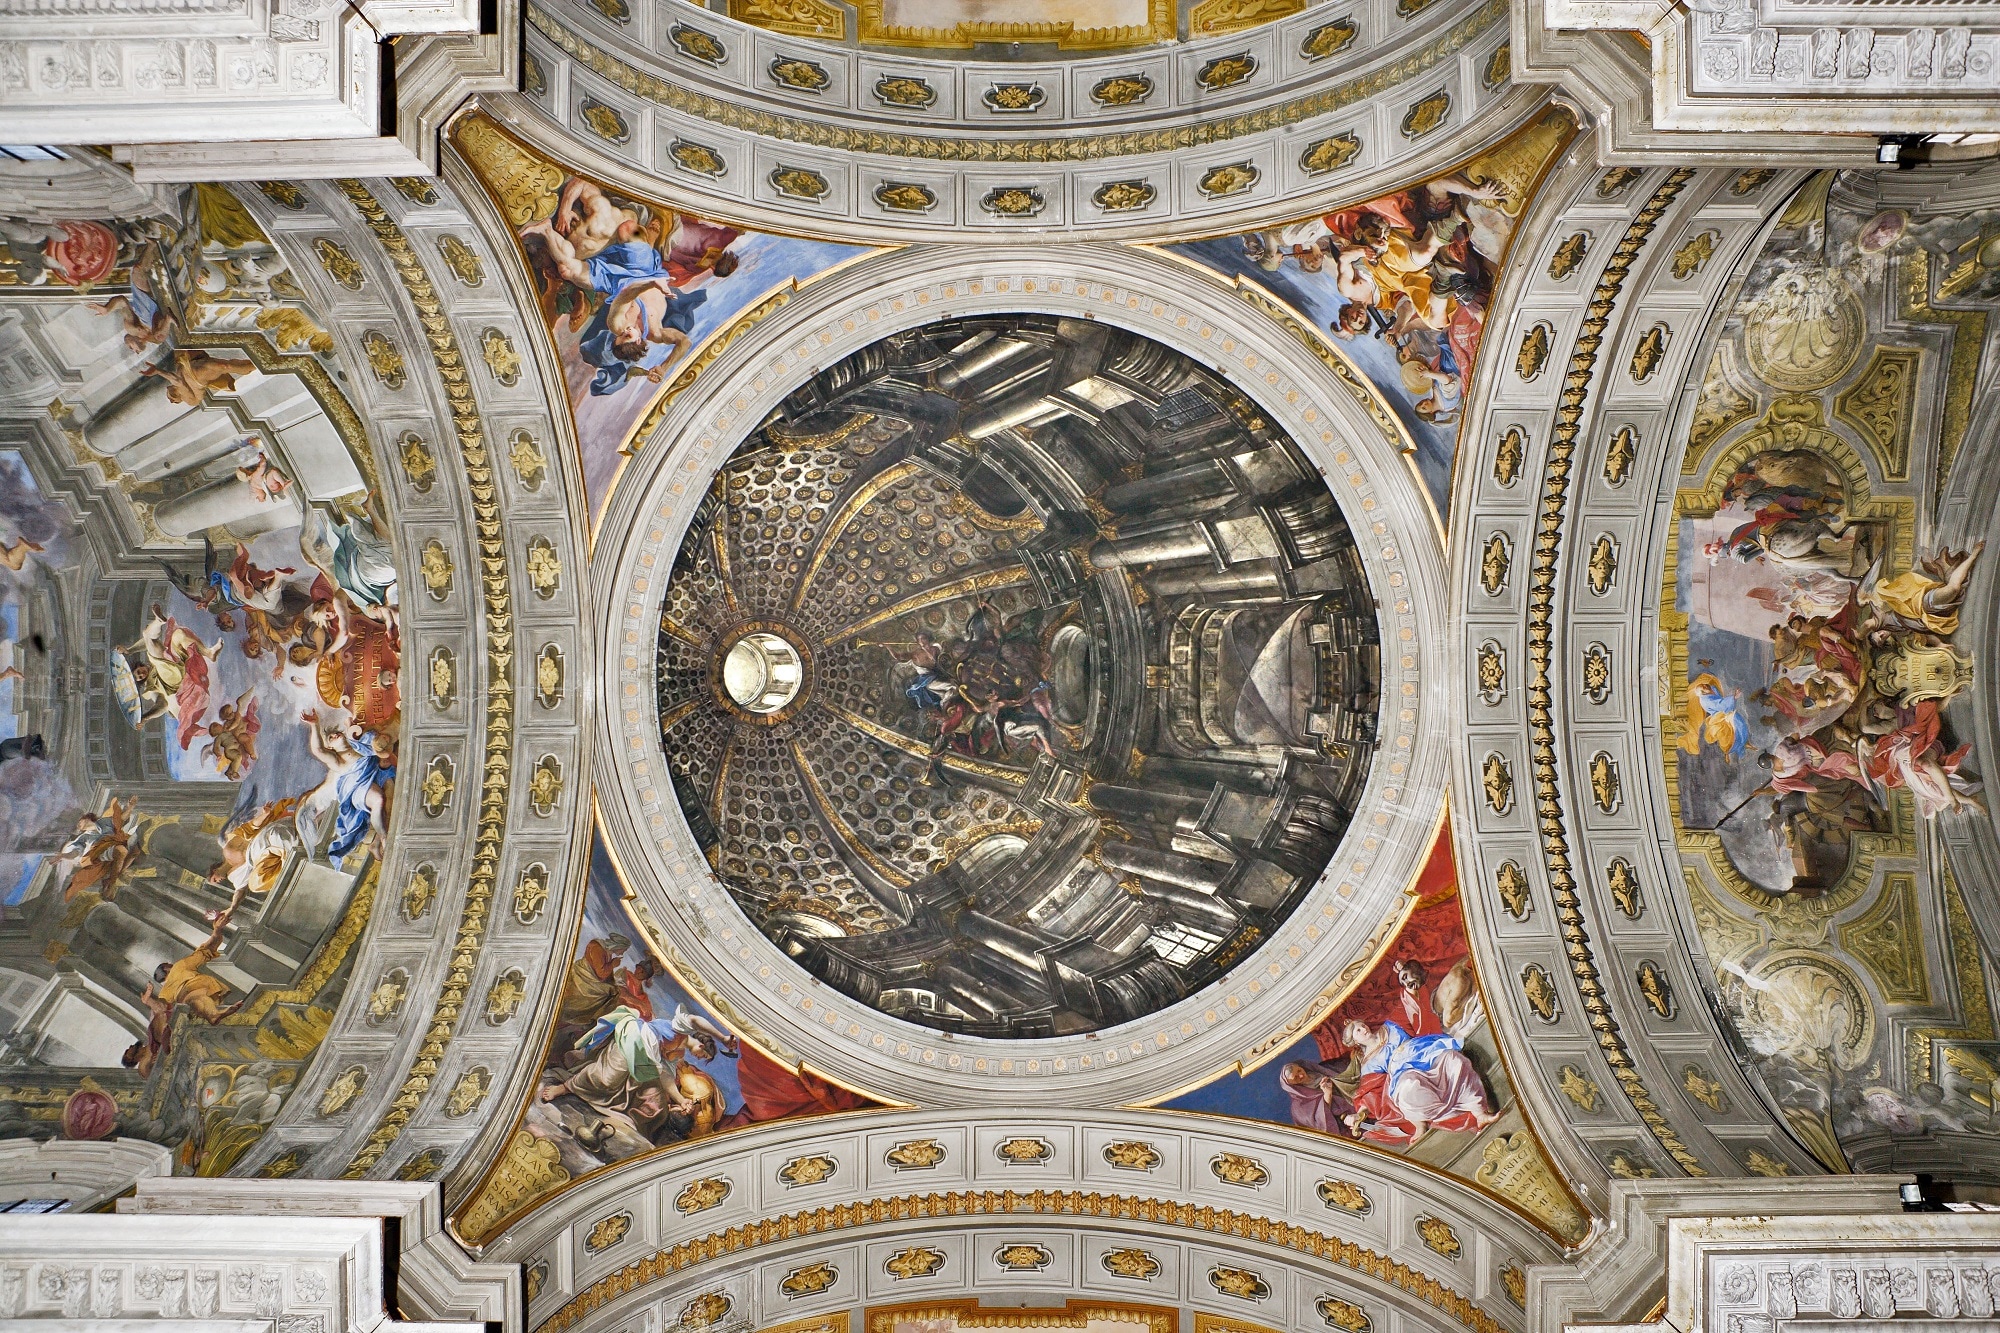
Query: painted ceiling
[1379, 719]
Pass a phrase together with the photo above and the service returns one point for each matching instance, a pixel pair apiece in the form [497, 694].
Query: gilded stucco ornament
[701, 1195]
[1569, 254]
[1131, 1155]
[916, 1261]
[1509, 455]
[1132, 1263]
[1511, 883]
[1242, 1283]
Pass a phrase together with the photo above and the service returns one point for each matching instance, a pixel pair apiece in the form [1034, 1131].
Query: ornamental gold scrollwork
[698, 158]
[1328, 39]
[443, 678]
[1540, 992]
[1620, 454]
[342, 1091]
[464, 263]
[1496, 779]
[606, 1232]
[1230, 179]
[808, 1279]
[1650, 352]
[504, 996]
[1509, 454]
[1241, 1283]
[1346, 1196]
[1426, 115]
[439, 782]
[1511, 883]
[1131, 1155]
[700, 1195]
[1438, 1237]
[1568, 255]
[1623, 883]
[1490, 673]
[705, 1310]
[1495, 558]
[1024, 1151]
[341, 266]
[545, 785]
[1534, 353]
[1124, 196]
[1023, 1258]
[1694, 252]
[1605, 788]
[698, 45]
[434, 564]
[916, 1261]
[1237, 1169]
[1226, 71]
[420, 892]
[915, 1155]
[1600, 569]
[1133, 1263]
[470, 1090]
[1615, 181]
[1330, 154]
[418, 464]
[1122, 90]
[814, 1169]
[415, 189]
[1579, 1088]
[1344, 1316]
[531, 893]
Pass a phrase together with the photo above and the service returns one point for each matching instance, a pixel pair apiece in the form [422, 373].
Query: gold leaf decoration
[545, 785]
[443, 678]
[1509, 454]
[915, 1155]
[440, 780]
[1490, 672]
[418, 464]
[904, 90]
[1014, 98]
[795, 18]
[525, 456]
[284, 194]
[905, 197]
[527, 1170]
[701, 1195]
[1620, 453]
[549, 676]
[1747, 181]
[468, 1092]
[1131, 1155]
[1569, 254]
[1024, 1151]
[384, 359]
[1226, 71]
[606, 1232]
[1622, 881]
[434, 564]
[1496, 779]
[465, 265]
[1604, 786]
[1234, 178]
[1014, 201]
[1616, 181]
[1426, 115]
[340, 1093]
[497, 350]
[698, 158]
[1702, 1088]
[1580, 1089]
[1650, 352]
[704, 1310]
[1328, 39]
[1217, 18]
[698, 45]
[544, 567]
[1511, 883]
[812, 1170]
[606, 122]
[341, 266]
[531, 893]
[1437, 1236]
[1494, 560]
[1121, 90]
[1534, 353]
[805, 75]
[1600, 569]
[808, 1279]
[1124, 196]
[1023, 1258]
[1540, 991]
[1499, 67]
[1329, 154]
[1241, 1283]
[917, 1261]
[504, 996]
[1236, 1169]
[1597, 673]
[420, 892]
[1133, 1263]
[1654, 988]
[415, 189]
[1345, 1316]
[1694, 252]
[1346, 1196]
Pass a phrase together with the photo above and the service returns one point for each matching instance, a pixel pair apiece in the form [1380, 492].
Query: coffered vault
[1212, 667]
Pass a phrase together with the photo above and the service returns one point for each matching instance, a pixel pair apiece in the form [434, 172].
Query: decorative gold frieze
[1346, 1196]
[1569, 254]
[1881, 405]
[504, 996]
[916, 1261]
[341, 266]
[340, 1093]
[1329, 154]
[1426, 115]
[698, 158]
[606, 1232]
[915, 1155]
[699, 1196]
[420, 892]
[1511, 883]
[1438, 1237]
[795, 18]
[1215, 18]
[462, 260]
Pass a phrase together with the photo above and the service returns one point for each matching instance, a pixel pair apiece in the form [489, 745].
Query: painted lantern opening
[1067, 670]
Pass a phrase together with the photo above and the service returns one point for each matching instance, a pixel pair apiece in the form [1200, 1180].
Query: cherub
[263, 479]
[192, 376]
[15, 555]
[232, 737]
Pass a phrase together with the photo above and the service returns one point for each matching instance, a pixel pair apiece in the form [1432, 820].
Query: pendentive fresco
[199, 677]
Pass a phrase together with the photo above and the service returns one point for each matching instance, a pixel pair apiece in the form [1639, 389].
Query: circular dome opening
[1020, 678]
[762, 672]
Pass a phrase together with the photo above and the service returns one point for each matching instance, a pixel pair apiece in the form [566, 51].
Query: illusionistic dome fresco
[1018, 676]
